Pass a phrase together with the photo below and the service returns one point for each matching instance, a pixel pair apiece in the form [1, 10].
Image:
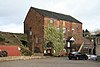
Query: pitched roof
[55, 15]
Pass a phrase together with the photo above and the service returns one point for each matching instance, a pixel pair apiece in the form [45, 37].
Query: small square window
[51, 20]
[64, 30]
[30, 31]
[73, 29]
[36, 39]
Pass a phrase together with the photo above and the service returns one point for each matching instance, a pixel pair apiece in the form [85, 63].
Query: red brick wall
[35, 21]
[77, 33]
[12, 50]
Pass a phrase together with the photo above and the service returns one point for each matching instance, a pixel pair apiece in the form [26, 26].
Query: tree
[56, 37]
[86, 33]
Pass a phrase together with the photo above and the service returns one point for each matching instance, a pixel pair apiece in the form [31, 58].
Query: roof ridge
[49, 11]
[56, 15]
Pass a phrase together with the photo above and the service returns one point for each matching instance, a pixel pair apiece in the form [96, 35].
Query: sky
[13, 12]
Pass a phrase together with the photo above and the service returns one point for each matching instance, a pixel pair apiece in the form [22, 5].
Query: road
[50, 62]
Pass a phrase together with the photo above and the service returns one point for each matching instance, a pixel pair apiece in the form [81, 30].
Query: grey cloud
[13, 12]
[13, 7]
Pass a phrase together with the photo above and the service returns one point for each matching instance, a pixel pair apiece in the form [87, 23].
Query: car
[92, 57]
[89, 56]
[98, 58]
[77, 56]
[3, 53]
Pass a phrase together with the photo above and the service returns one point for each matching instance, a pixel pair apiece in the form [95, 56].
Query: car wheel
[76, 58]
[86, 58]
[4, 53]
[96, 59]
[79, 58]
[1, 55]
[70, 58]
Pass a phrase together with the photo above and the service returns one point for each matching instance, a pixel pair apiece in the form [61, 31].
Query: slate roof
[55, 15]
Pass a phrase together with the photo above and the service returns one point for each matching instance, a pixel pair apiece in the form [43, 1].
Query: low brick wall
[11, 50]
[20, 58]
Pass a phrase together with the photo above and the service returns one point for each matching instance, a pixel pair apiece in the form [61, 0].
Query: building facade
[37, 19]
[97, 39]
[97, 44]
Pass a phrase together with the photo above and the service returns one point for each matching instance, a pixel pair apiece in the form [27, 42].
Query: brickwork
[11, 50]
[34, 27]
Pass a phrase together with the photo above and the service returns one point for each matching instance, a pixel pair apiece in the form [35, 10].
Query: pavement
[10, 58]
[50, 62]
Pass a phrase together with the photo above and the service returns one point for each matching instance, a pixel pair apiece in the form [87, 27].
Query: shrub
[25, 43]
[25, 51]
[2, 39]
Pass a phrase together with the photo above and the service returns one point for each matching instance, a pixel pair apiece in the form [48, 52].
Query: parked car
[92, 57]
[77, 56]
[98, 58]
[3, 53]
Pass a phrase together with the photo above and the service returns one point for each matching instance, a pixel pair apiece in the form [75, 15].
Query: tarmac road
[50, 62]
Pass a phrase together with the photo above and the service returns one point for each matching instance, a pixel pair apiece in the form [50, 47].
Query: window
[51, 22]
[98, 41]
[58, 24]
[63, 23]
[30, 31]
[36, 39]
[64, 30]
[73, 29]
[77, 28]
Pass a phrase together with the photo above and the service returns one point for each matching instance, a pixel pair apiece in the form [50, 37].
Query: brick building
[97, 44]
[37, 19]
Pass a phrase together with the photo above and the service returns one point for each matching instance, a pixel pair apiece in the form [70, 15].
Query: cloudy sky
[13, 12]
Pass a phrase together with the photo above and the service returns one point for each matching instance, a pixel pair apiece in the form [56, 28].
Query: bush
[24, 43]
[2, 39]
[25, 51]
